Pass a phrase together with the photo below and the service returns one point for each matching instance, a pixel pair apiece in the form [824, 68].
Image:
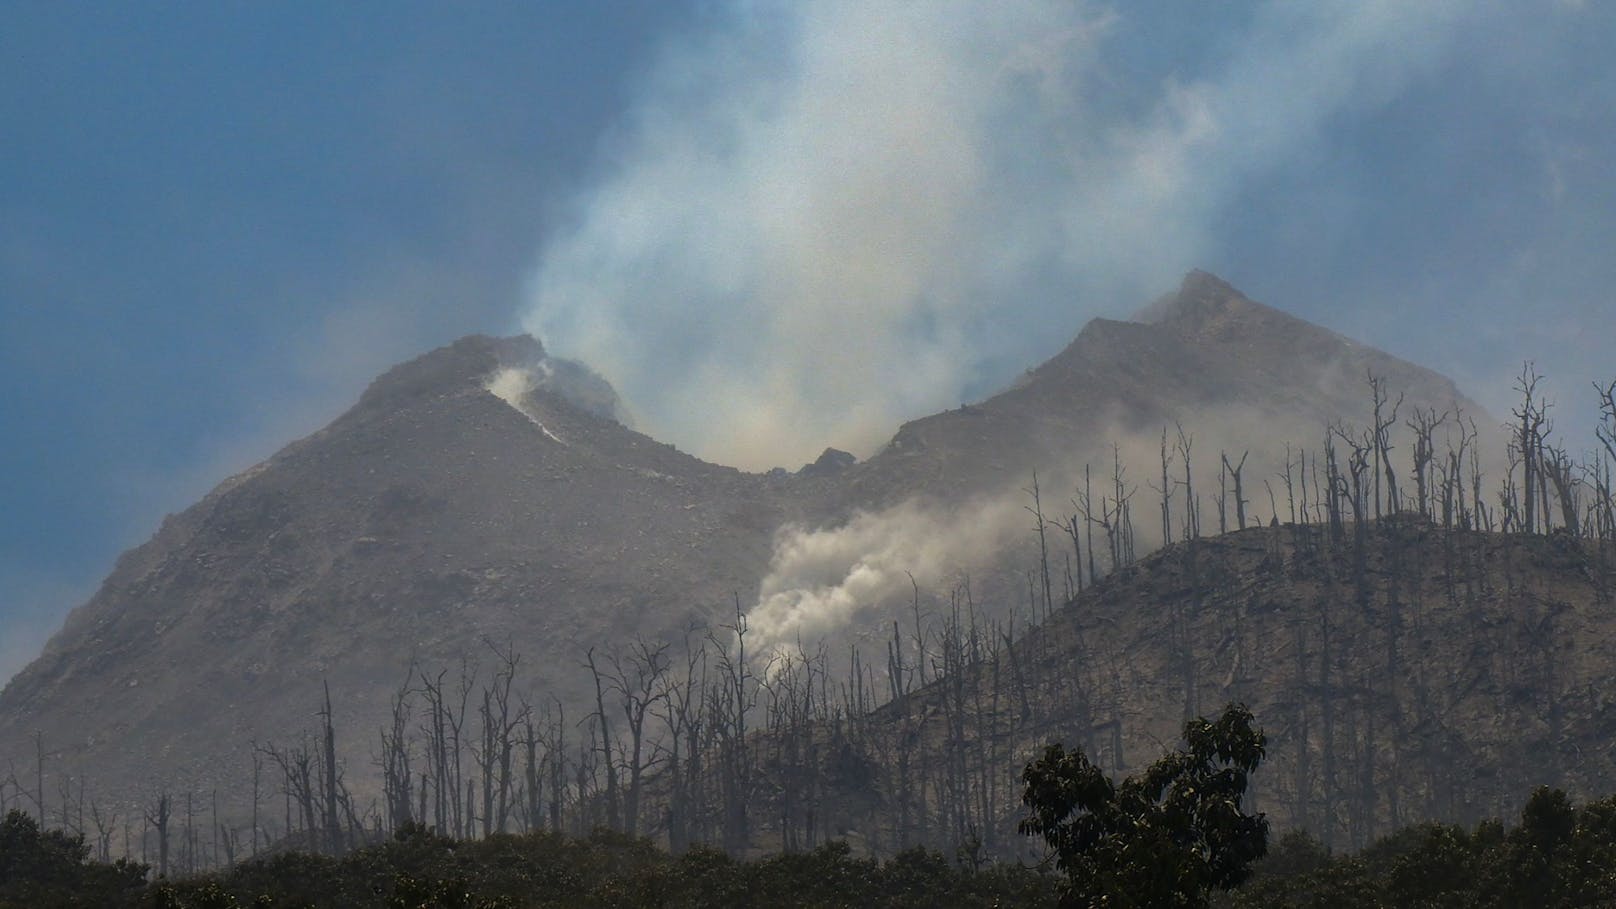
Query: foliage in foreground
[51, 868]
[1167, 837]
[421, 870]
[1559, 855]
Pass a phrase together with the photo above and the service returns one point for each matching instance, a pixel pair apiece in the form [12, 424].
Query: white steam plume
[513, 384]
[824, 217]
[819, 580]
[856, 575]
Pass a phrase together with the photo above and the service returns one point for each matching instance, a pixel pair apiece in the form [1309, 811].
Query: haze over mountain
[224, 222]
[1236, 375]
[483, 494]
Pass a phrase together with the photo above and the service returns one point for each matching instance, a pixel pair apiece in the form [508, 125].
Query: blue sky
[218, 221]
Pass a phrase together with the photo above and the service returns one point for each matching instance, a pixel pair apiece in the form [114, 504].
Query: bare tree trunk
[1424, 423]
[1192, 512]
[104, 828]
[1239, 493]
[1530, 417]
[1166, 491]
[333, 829]
[639, 689]
[397, 777]
[1037, 511]
[1560, 471]
[257, 777]
[1381, 443]
[612, 813]
[157, 818]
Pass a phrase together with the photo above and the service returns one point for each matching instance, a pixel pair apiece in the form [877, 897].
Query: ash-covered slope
[430, 517]
[1410, 673]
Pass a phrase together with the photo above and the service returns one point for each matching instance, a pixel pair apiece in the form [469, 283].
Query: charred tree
[157, 818]
[639, 688]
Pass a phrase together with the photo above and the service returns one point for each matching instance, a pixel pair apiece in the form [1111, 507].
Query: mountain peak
[467, 362]
[1202, 297]
[1204, 285]
[512, 368]
[1207, 308]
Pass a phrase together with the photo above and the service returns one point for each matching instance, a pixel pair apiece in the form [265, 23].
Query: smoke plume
[823, 218]
[821, 578]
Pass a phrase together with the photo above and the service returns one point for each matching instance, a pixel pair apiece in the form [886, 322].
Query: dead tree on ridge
[1192, 508]
[735, 694]
[605, 741]
[680, 711]
[554, 739]
[157, 817]
[1069, 525]
[498, 740]
[1380, 440]
[1606, 430]
[1528, 432]
[639, 689]
[1424, 423]
[104, 827]
[1115, 513]
[257, 782]
[333, 827]
[1166, 491]
[1239, 492]
[1603, 509]
[1560, 472]
[1036, 509]
[1290, 485]
[397, 779]
[445, 723]
[297, 785]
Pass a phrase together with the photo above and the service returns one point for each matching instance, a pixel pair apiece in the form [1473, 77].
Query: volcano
[485, 497]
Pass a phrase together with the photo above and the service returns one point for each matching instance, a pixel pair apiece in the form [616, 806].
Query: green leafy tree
[1558, 856]
[1431, 865]
[1167, 837]
[48, 868]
